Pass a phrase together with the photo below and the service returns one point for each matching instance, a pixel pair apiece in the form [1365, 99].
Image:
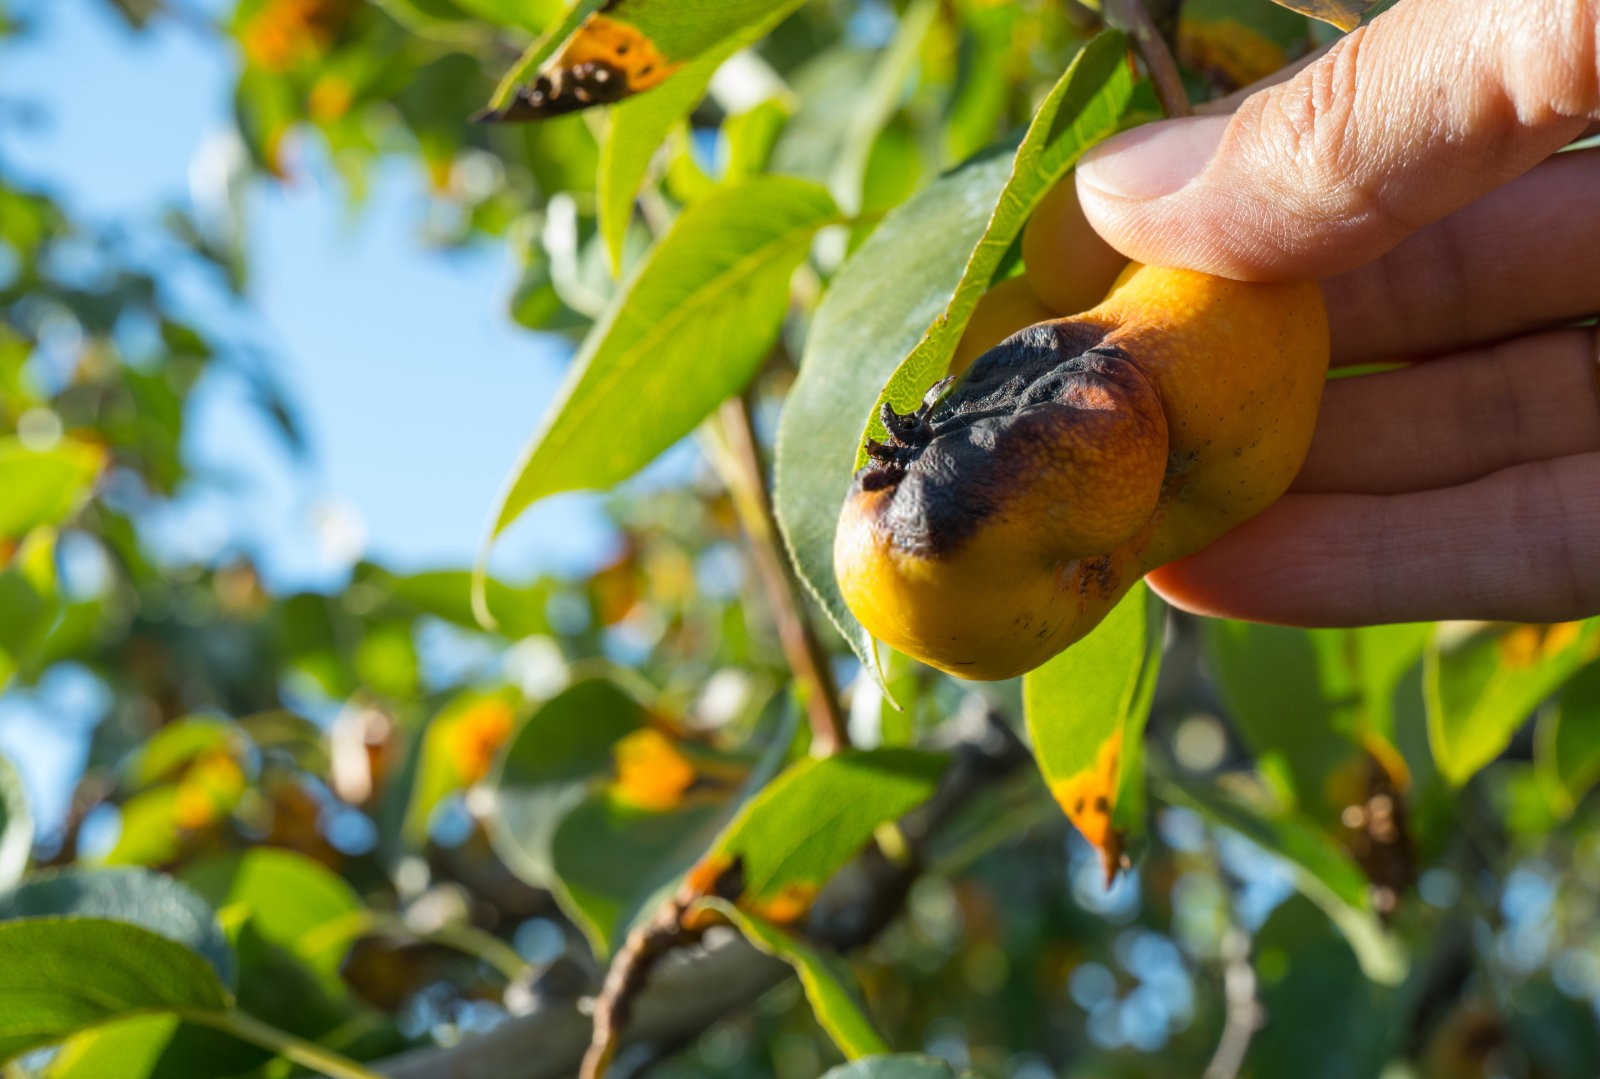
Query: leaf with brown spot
[598, 54]
[1086, 711]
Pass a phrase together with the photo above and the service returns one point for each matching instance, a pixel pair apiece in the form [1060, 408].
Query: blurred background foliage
[1376, 849]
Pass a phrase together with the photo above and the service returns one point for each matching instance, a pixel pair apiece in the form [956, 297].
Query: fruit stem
[1132, 16]
[746, 477]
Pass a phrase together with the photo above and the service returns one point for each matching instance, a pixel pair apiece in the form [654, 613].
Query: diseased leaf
[16, 825]
[825, 979]
[139, 897]
[458, 749]
[896, 310]
[817, 815]
[1086, 711]
[637, 127]
[628, 47]
[1345, 14]
[551, 762]
[692, 328]
[62, 975]
[1483, 684]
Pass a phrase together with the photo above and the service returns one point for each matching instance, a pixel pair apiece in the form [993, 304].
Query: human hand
[1414, 169]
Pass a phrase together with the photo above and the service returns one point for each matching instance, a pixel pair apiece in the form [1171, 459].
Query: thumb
[1433, 104]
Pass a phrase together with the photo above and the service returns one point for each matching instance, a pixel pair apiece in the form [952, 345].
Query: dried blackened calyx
[951, 462]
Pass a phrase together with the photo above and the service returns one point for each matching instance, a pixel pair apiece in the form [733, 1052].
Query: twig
[753, 502]
[691, 988]
[1243, 1015]
[1132, 16]
[645, 947]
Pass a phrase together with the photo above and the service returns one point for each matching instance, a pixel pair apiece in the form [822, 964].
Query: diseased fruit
[1002, 311]
[1006, 516]
[1070, 268]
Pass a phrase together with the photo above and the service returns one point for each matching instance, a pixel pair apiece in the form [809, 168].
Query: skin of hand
[1414, 169]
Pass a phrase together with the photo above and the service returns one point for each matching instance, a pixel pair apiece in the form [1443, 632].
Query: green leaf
[896, 310]
[1312, 987]
[1566, 752]
[1483, 684]
[550, 764]
[44, 488]
[130, 1049]
[873, 104]
[898, 1066]
[1322, 871]
[292, 902]
[16, 825]
[447, 595]
[30, 604]
[825, 979]
[149, 832]
[610, 858]
[151, 901]
[816, 816]
[750, 137]
[1086, 711]
[62, 975]
[692, 328]
[638, 125]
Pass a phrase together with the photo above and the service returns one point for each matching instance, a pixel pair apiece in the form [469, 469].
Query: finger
[1403, 121]
[1450, 421]
[1522, 544]
[1220, 106]
[1526, 255]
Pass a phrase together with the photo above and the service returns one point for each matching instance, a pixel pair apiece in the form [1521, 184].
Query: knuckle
[1551, 61]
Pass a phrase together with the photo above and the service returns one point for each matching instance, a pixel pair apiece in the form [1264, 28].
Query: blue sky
[415, 389]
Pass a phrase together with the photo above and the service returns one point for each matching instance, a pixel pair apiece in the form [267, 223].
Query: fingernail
[1152, 160]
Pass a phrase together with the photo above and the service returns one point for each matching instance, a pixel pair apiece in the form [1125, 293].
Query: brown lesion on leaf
[1089, 797]
[1374, 826]
[605, 61]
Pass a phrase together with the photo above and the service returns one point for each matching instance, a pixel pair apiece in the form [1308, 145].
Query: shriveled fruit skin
[1007, 517]
[1002, 311]
[1069, 266]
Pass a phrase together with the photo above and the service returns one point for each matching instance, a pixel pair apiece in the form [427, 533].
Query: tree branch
[690, 988]
[1134, 17]
[747, 479]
